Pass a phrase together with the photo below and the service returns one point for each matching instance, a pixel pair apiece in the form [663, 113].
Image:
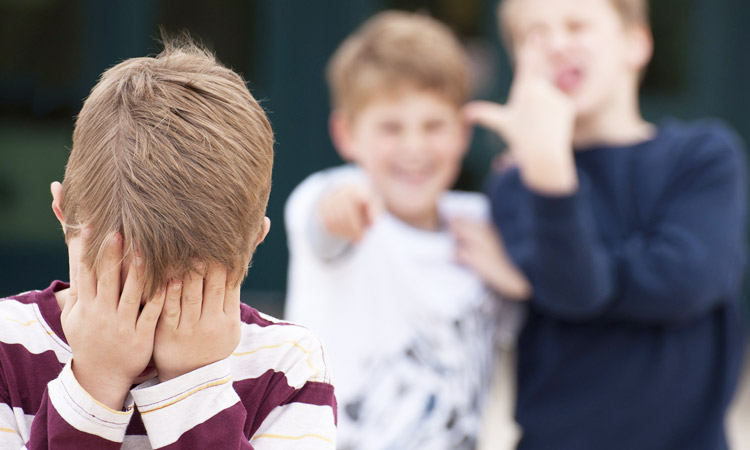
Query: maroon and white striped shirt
[274, 391]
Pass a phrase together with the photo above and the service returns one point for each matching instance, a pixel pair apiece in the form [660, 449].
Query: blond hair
[631, 12]
[393, 50]
[175, 153]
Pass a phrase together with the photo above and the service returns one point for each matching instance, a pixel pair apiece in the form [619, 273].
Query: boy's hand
[199, 325]
[480, 247]
[347, 211]
[111, 342]
[537, 124]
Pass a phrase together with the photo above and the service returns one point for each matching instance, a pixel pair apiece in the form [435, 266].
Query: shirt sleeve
[302, 413]
[68, 418]
[201, 410]
[686, 263]
[197, 410]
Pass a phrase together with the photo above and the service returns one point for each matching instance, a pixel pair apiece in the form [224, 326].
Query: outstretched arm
[329, 211]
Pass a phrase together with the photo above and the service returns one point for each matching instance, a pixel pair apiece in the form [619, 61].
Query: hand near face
[199, 324]
[347, 211]
[480, 248]
[537, 123]
[110, 336]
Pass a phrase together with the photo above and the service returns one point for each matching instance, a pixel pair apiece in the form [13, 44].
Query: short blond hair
[631, 12]
[393, 50]
[175, 153]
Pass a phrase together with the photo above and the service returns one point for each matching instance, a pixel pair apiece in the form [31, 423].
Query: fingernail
[176, 285]
[138, 261]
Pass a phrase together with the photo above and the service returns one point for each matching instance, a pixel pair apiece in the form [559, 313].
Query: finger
[489, 115]
[463, 257]
[151, 313]
[372, 208]
[530, 61]
[332, 216]
[462, 229]
[86, 276]
[192, 298]
[132, 292]
[232, 299]
[354, 221]
[108, 277]
[503, 162]
[214, 289]
[170, 311]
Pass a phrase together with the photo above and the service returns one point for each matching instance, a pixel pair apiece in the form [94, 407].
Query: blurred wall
[53, 51]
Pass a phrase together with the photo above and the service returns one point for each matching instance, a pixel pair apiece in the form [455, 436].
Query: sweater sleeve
[689, 260]
[693, 258]
[68, 418]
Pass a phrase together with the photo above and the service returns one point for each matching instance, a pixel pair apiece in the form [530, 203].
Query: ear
[264, 231]
[339, 127]
[641, 46]
[56, 190]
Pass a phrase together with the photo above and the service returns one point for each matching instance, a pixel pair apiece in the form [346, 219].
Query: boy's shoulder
[32, 320]
[707, 136]
[686, 150]
[31, 307]
[464, 204]
[281, 346]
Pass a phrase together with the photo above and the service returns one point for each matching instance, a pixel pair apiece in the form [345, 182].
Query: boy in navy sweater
[631, 235]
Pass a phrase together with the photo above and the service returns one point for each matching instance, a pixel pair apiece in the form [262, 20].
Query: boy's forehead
[518, 13]
[397, 93]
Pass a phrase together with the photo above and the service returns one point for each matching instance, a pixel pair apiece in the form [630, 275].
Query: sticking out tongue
[568, 79]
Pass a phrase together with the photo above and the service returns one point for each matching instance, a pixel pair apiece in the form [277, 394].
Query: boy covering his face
[162, 206]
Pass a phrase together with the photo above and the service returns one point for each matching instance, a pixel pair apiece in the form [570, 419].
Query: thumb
[492, 116]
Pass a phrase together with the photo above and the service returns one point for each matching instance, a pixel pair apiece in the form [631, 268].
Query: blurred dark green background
[53, 50]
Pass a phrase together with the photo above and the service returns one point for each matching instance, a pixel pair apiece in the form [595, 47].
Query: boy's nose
[557, 40]
[414, 142]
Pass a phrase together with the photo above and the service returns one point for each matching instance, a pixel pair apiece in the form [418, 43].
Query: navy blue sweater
[634, 336]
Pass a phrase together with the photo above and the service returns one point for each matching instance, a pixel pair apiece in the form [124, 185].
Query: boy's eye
[536, 31]
[576, 26]
[390, 128]
[434, 125]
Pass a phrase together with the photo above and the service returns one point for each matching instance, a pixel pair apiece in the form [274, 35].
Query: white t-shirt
[408, 331]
